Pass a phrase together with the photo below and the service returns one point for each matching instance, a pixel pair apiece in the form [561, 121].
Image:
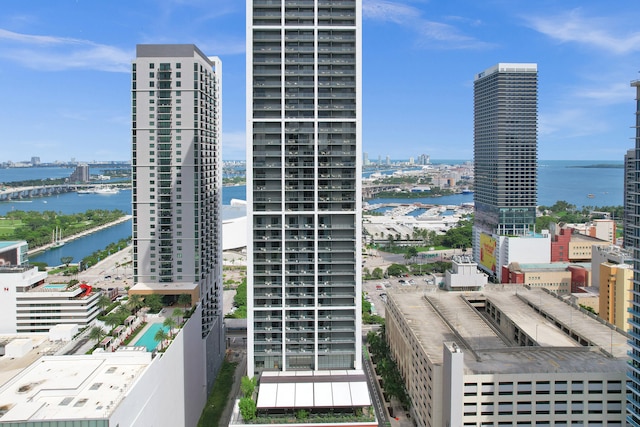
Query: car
[118, 278]
[402, 281]
[379, 287]
[107, 277]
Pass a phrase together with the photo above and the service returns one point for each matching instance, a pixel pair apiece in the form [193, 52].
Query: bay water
[565, 180]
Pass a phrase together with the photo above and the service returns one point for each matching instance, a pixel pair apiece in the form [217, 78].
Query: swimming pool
[54, 286]
[148, 338]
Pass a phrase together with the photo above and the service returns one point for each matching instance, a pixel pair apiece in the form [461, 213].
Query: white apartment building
[304, 161]
[177, 182]
[506, 356]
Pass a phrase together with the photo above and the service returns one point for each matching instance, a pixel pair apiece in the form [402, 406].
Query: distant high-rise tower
[366, 159]
[304, 158]
[633, 223]
[505, 151]
[177, 182]
[80, 174]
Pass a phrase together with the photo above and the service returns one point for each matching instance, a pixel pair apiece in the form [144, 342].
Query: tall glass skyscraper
[177, 182]
[304, 160]
[632, 221]
[505, 152]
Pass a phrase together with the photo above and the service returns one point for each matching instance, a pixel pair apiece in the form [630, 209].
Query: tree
[247, 408]
[184, 299]
[103, 302]
[154, 302]
[170, 323]
[96, 334]
[66, 260]
[135, 303]
[397, 270]
[161, 336]
[411, 253]
[112, 320]
[178, 313]
[377, 273]
[247, 386]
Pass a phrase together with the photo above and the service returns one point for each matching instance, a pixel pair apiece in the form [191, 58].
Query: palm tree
[161, 336]
[135, 302]
[170, 323]
[178, 312]
[103, 302]
[96, 334]
[112, 320]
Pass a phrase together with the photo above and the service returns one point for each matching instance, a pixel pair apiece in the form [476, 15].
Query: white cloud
[432, 34]
[570, 123]
[611, 94]
[62, 53]
[601, 33]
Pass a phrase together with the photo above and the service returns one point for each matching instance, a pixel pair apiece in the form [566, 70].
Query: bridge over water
[18, 193]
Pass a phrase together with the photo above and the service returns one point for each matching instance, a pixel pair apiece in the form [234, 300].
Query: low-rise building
[493, 252]
[28, 304]
[569, 245]
[129, 387]
[508, 355]
[464, 275]
[610, 253]
[616, 284]
[560, 277]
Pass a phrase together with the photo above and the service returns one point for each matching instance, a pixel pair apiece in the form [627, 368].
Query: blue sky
[64, 67]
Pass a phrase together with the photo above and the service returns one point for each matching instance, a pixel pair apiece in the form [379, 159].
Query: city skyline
[69, 65]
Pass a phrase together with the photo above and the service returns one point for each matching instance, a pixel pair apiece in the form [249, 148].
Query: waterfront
[557, 180]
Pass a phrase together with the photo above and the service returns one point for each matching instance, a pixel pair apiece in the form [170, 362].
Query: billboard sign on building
[488, 252]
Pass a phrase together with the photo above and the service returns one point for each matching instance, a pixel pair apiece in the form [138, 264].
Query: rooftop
[71, 387]
[313, 389]
[552, 266]
[437, 317]
[8, 244]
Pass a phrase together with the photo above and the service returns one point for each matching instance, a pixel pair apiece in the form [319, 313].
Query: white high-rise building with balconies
[177, 183]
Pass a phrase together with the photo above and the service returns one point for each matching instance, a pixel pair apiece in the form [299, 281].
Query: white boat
[87, 191]
[106, 190]
[56, 241]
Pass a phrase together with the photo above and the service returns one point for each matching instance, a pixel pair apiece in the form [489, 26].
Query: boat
[591, 196]
[106, 190]
[56, 241]
[467, 191]
[87, 191]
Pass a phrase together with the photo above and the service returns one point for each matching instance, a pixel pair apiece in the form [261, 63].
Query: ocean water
[557, 180]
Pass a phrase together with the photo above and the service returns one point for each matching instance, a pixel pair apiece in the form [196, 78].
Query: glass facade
[633, 233]
[506, 149]
[304, 155]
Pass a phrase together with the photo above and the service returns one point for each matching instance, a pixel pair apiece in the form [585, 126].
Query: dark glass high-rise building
[505, 153]
[632, 242]
[304, 160]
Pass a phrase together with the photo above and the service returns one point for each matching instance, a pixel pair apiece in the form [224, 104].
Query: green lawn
[7, 226]
[219, 396]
